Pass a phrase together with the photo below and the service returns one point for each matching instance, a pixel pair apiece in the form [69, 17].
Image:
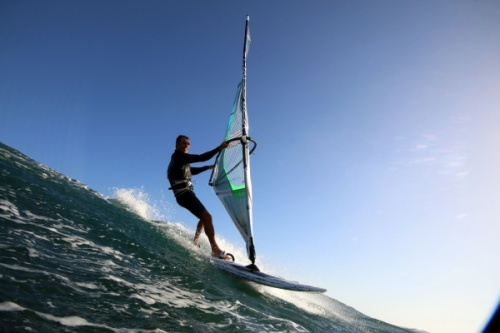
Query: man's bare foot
[196, 240]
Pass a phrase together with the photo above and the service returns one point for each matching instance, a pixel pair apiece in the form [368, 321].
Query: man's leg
[206, 223]
[199, 229]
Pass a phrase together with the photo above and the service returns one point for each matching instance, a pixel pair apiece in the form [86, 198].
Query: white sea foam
[10, 306]
[9, 207]
[91, 286]
[70, 321]
[139, 202]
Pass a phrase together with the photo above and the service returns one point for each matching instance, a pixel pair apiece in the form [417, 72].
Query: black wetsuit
[179, 174]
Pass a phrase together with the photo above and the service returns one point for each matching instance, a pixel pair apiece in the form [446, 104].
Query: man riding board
[179, 174]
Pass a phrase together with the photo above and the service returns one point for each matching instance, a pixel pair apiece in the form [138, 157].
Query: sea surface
[72, 260]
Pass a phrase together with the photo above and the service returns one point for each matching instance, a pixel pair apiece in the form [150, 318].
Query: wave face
[72, 260]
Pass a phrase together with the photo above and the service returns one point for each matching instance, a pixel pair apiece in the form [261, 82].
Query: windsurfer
[179, 174]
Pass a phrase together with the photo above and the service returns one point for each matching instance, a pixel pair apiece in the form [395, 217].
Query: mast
[246, 152]
[244, 80]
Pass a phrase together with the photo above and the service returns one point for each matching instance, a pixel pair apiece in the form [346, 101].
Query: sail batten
[231, 176]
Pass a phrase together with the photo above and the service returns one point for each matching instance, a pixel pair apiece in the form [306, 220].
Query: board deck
[246, 273]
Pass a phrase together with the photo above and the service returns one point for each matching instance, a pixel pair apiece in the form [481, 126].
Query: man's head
[182, 143]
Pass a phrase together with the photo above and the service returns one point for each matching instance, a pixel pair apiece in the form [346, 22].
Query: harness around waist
[180, 186]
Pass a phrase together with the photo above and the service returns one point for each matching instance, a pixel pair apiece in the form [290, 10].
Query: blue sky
[376, 172]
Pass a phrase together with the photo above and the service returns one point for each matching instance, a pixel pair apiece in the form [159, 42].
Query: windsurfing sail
[231, 176]
[231, 182]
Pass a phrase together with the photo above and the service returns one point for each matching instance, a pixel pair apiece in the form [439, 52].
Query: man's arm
[197, 170]
[191, 158]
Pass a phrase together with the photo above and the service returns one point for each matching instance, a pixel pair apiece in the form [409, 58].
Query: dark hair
[179, 138]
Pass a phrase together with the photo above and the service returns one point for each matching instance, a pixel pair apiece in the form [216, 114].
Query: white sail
[231, 176]
[231, 182]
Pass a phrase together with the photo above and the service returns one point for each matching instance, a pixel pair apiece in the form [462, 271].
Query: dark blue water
[74, 261]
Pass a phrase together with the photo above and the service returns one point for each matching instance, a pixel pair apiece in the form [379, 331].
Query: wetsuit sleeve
[191, 158]
[197, 170]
